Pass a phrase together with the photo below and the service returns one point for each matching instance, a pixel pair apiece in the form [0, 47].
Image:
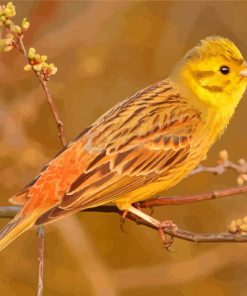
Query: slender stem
[239, 168]
[41, 249]
[59, 123]
[181, 200]
[9, 211]
[219, 237]
[55, 113]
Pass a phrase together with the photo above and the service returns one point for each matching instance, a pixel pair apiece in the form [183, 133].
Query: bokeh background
[105, 51]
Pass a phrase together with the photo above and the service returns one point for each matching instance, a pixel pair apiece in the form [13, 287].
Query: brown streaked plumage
[142, 146]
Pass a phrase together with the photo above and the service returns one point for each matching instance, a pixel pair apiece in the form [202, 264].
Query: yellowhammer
[142, 146]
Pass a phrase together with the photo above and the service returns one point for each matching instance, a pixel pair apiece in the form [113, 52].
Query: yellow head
[215, 72]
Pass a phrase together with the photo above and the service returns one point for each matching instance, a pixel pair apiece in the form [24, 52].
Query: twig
[240, 168]
[49, 97]
[41, 238]
[59, 123]
[181, 200]
[9, 212]
[196, 237]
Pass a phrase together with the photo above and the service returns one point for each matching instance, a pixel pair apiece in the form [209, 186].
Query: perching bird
[143, 145]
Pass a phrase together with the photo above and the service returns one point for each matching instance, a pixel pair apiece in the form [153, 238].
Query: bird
[142, 146]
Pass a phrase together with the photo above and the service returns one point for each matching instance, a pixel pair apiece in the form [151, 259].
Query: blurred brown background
[106, 51]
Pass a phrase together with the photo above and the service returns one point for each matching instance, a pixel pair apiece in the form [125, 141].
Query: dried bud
[232, 226]
[16, 29]
[238, 226]
[2, 18]
[37, 58]
[243, 227]
[6, 44]
[53, 69]
[38, 63]
[233, 223]
[8, 48]
[240, 180]
[242, 161]
[9, 10]
[223, 155]
[27, 67]
[43, 58]
[239, 222]
[25, 24]
[31, 53]
[37, 67]
[8, 23]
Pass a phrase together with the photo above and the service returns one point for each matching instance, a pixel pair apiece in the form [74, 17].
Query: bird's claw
[122, 221]
[167, 241]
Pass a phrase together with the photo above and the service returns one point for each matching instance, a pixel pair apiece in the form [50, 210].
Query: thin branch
[43, 82]
[207, 237]
[41, 249]
[196, 237]
[180, 200]
[9, 212]
[55, 113]
[239, 168]
[189, 235]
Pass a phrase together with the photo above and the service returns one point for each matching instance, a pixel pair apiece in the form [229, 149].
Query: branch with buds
[240, 168]
[13, 39]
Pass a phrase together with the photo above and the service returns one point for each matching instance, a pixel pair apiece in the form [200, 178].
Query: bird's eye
[224, 70]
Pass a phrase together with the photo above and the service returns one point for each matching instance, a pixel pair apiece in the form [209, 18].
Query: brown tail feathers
[15, 228]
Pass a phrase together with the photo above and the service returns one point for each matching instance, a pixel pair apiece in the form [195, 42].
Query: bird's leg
[137, 205]
[167, 242]
[159, 225]
[125, 213]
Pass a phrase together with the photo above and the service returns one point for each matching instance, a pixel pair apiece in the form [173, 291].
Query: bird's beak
[243, 72]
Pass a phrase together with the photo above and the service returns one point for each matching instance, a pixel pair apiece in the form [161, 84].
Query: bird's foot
[160, 226]
[167, 240]
[122, 220]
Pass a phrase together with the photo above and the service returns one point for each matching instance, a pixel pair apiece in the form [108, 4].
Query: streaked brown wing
[133, 173]
[133, 144]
